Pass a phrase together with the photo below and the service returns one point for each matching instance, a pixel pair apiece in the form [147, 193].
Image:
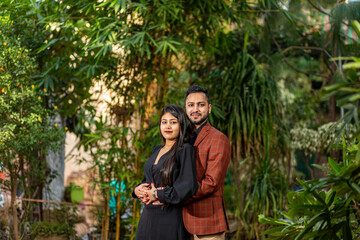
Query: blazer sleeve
[185, 185]
[217, 164]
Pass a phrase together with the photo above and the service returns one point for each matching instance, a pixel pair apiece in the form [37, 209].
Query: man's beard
[200, 121]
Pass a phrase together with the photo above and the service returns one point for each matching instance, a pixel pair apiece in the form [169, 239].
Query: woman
[171, 174]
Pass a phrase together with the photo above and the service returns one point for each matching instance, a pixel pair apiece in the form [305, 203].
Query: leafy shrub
[325, 208]
[59, 221]
[321, 139]
[47, 229]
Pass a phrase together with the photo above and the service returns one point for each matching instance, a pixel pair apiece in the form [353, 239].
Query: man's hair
[197, 89]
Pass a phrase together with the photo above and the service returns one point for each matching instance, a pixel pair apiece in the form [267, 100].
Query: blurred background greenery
[283, 77]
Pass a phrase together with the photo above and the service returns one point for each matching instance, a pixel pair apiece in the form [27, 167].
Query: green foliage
[128, 44]
[147, 53]
[61, 221]
[245, 107]
[346, 89]
[63, 226]
[24, 120]
[25, 117]
[4, 226]
[134, 49]
[341, 13]
[325, 208]
[321, 139]
[112, 159]
[48, 229]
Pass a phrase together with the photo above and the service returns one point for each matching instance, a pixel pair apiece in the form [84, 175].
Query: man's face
[197, 108]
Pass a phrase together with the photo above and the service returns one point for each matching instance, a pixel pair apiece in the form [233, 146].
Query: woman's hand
[152, 196]
[140, 191]
[157, 202]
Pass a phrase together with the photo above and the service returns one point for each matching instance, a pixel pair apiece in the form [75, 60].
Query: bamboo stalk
[118, 203]
[133, 219]
[106, 220]
[136, 210]
[118, 223]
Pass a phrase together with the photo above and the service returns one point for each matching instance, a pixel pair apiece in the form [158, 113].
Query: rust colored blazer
[205, 213]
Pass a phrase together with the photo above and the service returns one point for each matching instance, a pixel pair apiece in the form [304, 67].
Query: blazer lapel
[203, 133]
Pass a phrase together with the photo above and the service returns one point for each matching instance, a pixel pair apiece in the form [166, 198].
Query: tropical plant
[347, 87]
[325, 208]
[245, 106]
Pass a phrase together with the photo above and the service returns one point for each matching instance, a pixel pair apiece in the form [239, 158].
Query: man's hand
[157, 203]
[140, 191]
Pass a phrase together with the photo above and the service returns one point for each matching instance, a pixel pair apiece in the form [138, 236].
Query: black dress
[155, 222]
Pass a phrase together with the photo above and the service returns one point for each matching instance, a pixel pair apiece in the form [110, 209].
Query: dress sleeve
[133, 193]
[144, 180]
[185, 185]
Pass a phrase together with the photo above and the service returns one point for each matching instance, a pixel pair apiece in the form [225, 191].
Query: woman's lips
[168, 131]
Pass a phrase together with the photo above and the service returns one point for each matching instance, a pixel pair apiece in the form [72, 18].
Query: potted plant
[76, 193]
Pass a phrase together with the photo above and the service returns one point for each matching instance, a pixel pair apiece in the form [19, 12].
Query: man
[204, 214]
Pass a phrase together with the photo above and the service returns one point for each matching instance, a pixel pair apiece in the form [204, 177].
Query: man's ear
[209, 108]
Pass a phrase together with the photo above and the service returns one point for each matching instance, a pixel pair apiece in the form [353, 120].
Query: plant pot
[76, 193]
[316, 85]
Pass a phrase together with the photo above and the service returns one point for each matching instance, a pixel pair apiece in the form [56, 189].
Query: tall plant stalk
[246, 107]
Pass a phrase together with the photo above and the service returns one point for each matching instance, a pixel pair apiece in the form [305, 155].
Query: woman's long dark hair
[168, 166]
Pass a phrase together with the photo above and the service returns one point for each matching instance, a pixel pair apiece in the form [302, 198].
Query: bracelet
[154, 194]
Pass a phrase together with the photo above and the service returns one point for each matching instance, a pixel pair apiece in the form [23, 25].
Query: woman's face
[169, 127]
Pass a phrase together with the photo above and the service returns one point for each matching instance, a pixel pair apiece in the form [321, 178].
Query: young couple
[184, 178]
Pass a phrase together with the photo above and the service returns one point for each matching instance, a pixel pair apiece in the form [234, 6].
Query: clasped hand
[145, 193]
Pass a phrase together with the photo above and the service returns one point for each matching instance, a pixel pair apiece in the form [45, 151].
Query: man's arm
[217, 164]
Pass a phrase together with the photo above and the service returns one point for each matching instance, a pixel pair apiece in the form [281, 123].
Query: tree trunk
[13, 207]
[56, 162]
